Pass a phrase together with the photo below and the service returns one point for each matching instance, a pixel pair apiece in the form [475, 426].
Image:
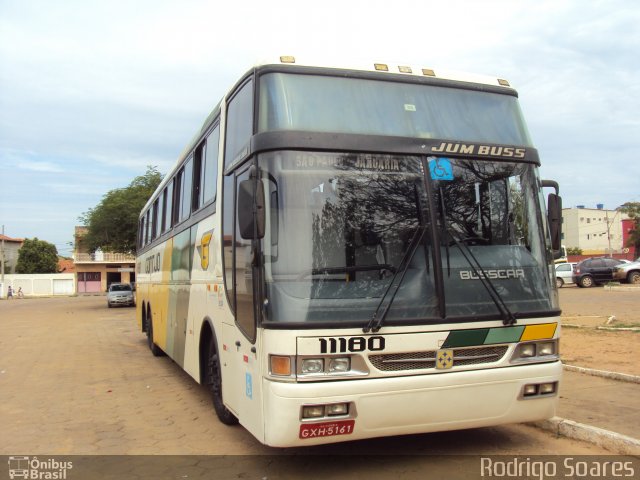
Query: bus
[562, 258]
[353, 251]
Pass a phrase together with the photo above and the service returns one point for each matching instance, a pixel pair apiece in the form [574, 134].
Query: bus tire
[155, 350]
[214, 385]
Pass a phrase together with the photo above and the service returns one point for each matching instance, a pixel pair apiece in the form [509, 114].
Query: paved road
[77, 378]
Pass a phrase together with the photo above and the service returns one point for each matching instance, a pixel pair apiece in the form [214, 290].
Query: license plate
[326, 429]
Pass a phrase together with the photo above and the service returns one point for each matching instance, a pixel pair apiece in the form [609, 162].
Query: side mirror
[251, 214]
[554, 216]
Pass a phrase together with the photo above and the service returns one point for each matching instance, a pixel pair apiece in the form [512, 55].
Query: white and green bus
[347, 252]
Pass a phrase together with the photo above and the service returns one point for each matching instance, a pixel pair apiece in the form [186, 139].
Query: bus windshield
[339, 225]
[316, 103]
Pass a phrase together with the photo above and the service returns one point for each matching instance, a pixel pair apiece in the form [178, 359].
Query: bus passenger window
[210, 172]
[168, 217]
[197, 178]
[178, 183]
[141, 233]
[187, 184]
[163, 212]
[154, 220]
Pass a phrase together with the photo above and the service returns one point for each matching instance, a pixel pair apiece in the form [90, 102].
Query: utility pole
[609, 232]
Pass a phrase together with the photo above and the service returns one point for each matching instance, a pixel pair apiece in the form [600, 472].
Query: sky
[94, 91]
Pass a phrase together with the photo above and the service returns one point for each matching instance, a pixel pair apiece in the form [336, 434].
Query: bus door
[241, 386]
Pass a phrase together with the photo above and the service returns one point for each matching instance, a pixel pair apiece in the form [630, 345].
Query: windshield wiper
[508, 317]
[379, 315]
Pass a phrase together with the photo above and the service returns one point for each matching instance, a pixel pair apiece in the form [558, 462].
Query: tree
[112, 224]
[37, 256]
[633, 210]
[574, 251]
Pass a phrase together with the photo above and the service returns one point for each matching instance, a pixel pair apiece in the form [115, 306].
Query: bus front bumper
[407, 405]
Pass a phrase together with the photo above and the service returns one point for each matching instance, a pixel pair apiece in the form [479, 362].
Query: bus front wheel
[214, 384]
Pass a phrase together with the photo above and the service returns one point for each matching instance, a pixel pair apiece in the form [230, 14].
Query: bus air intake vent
[394, 362]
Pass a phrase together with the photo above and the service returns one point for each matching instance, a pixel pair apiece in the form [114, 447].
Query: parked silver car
[564, 273]
[627, 272]
[120, 294]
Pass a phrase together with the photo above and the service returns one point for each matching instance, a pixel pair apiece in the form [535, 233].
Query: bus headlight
[312, 365]
[531, 352]
[528, 350]
[313, 411]
[546, 348]
[337, 409]
[339, 365]
[314, 368]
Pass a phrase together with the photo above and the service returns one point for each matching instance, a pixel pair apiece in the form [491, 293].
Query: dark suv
[593, 271]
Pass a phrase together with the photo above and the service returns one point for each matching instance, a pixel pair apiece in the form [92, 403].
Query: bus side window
[185, 205]
[168, 213]
[163, 212]
[141, 233]
[198, 165]
[243, 268]
[239, 124]
[154, 221]
[178, 183]
[210, 171]
[147, 229]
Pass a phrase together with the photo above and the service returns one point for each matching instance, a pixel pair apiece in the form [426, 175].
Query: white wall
[40, 285]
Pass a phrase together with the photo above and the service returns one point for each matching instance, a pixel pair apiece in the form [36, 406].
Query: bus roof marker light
[381, 67]
[287, 59]
[428, 72]
[405, 69]
[503, 82]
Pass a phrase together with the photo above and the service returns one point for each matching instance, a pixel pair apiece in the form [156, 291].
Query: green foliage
[112, 224]
[574, 251]
[37, 256]
[633, 210]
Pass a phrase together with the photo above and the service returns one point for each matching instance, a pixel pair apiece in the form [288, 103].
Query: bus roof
[393, 68]
[399, 69]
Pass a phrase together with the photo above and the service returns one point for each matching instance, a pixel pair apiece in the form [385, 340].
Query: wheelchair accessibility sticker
[440, 168]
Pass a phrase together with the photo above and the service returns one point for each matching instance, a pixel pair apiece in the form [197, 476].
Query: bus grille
[394, 362]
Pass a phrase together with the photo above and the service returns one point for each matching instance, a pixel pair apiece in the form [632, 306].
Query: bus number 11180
[351, 344]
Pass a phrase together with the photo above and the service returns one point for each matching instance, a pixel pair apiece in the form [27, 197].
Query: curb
[615, 442]
[599, 327]
[623, 377]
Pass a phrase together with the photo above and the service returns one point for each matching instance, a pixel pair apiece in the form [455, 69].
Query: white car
[627, 272]
[564, 273]
[120, 294]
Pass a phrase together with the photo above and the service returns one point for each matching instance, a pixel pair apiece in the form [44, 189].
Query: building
[9, 252]
[595, 231]
[96, 271]
[627, 226]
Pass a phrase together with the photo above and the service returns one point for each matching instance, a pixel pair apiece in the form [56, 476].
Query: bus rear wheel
[214, 384]
[156, 350]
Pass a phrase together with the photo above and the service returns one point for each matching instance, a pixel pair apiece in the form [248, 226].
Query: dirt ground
[616, 351]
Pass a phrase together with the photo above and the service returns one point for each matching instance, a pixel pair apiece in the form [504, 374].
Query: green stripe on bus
[466, 338]
[504, 335]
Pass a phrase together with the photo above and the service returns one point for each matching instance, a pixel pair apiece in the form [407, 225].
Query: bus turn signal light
[280, 365]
